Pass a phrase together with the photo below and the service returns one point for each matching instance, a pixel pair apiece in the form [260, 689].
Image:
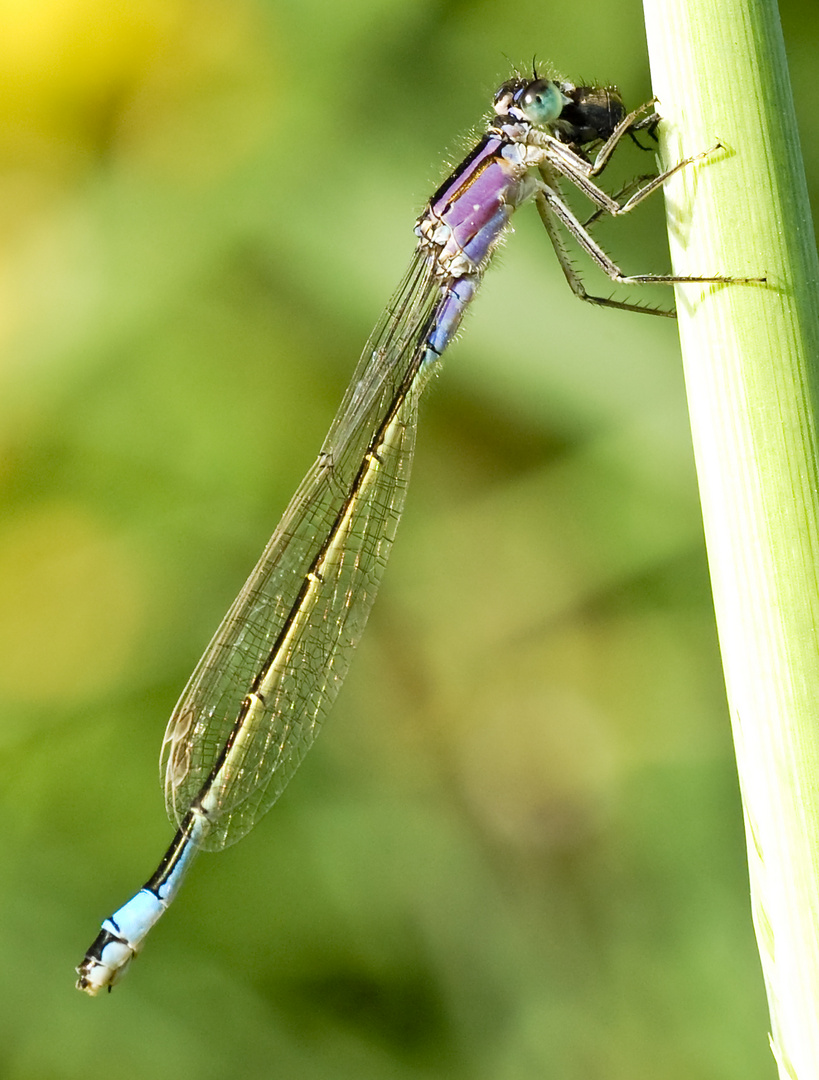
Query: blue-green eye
[541, 102]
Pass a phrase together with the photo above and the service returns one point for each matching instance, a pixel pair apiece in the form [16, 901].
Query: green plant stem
[751, 356]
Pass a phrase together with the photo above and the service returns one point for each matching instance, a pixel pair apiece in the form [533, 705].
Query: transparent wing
[255, 702]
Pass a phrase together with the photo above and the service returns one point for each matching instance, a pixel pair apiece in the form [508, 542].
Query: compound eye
[541, 102]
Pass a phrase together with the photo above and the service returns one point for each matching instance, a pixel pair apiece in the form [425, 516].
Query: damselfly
[254, 704]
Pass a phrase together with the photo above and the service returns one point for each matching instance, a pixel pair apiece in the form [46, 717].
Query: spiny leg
[549, 202]
[573, 277]
[627, 126]
[624, 191]
[565, 162]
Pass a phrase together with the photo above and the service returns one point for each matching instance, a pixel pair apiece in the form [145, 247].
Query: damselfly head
[577, 115]
[530, 101]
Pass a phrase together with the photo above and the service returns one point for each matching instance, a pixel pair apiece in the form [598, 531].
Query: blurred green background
[517, 850]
